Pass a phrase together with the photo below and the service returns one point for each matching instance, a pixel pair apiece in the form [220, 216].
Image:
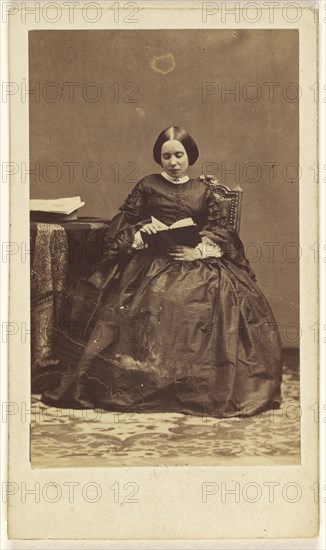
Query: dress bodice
[169, 202]
[156, 196]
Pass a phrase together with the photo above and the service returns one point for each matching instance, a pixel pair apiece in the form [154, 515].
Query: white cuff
[208, 249]
[138, 241]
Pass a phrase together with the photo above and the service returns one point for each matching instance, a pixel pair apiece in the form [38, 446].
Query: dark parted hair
[179, 134]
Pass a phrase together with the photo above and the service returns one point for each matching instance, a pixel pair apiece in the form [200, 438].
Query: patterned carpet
[82, 438]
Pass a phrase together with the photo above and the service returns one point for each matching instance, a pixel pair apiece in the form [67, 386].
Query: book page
[160, 226]
[185, 222]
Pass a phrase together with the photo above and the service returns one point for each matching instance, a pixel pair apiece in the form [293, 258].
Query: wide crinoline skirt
[192, 337]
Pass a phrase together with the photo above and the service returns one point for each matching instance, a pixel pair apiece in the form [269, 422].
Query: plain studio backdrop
[100, 98]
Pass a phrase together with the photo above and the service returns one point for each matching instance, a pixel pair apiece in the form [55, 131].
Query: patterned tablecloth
[61, 254]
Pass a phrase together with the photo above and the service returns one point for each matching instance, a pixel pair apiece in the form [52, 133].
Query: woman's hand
[184, 253]
[149, 228]
[138, 242]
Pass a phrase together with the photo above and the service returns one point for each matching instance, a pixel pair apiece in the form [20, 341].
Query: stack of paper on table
[64, 209]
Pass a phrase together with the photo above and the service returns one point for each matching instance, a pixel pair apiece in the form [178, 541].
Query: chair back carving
[229, 200]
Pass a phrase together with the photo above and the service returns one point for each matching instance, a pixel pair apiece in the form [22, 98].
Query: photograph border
[157, 514]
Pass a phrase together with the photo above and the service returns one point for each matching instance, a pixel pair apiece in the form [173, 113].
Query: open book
[183, 232]
[55, 209]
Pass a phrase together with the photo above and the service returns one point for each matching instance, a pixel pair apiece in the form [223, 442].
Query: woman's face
[174, 158]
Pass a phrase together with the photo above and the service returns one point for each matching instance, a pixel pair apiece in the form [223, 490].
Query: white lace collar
[174, 180]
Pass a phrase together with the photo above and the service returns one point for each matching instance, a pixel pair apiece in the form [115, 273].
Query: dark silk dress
[194, 337]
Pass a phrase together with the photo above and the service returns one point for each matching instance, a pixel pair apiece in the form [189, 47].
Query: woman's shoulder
[148, 181]
[199, 182]
[152, 180]
[200, 185]
[150, 177]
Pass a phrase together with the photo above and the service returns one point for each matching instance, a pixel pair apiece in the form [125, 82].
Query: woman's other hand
[149, 228]
[138, 243]
[184, 253]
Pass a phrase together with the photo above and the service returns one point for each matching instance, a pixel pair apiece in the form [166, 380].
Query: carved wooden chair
[229, 200]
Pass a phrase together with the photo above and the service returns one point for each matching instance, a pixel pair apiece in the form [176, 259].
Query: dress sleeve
[119, 238]
[134, 207]
[217, 228]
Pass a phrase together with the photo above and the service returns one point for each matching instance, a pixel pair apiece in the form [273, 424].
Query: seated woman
[186, 330]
